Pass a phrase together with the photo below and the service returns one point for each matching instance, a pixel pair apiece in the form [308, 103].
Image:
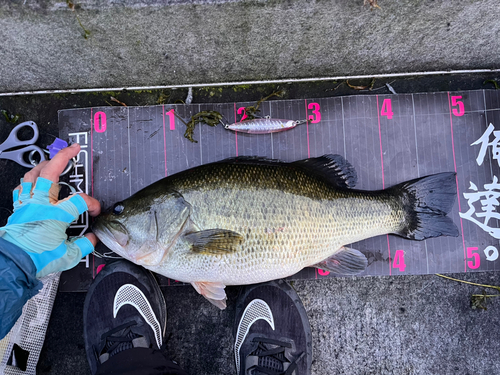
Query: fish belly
[283, 233]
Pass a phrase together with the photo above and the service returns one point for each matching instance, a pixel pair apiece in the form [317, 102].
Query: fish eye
[118, 208]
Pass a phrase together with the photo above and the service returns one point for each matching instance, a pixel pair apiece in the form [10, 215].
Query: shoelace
[272, 358]
[117, 339]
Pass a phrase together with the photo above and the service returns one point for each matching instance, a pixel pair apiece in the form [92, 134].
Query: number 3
[317, 115]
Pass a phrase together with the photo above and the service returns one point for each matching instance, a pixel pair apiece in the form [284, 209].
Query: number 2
[242, 110]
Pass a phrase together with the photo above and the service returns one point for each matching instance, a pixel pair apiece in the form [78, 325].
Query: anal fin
[212, 291]
[347, 261]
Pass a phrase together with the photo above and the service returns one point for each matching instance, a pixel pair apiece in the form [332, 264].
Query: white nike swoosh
[129, 294]
[256, 310]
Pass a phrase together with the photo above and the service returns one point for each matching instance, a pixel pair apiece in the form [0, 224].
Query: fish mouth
[112, 234]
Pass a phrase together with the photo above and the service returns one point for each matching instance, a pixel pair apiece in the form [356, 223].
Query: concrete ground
[57, 44]
[372, 325]
[376, 325]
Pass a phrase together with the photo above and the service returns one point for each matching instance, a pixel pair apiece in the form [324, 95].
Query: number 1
[171, 115]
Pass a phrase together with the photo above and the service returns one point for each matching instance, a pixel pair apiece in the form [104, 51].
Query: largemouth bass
[249, 220]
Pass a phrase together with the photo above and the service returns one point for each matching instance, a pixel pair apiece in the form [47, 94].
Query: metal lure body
[263, 125]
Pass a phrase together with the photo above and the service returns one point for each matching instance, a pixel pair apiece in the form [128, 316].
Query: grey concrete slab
[365, 325]
[371, 325]
[136, 43]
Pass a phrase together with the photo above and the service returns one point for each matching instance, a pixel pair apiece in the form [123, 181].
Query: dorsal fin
[333, 168]
[258, 160]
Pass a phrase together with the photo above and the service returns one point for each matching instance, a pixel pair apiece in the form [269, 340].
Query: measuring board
[387, 138]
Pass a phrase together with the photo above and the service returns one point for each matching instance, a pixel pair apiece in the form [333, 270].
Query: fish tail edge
[426, 201]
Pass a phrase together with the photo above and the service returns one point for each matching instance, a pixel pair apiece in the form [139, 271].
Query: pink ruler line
[309, 155]
[380, 139]
[456, 179]
[164, 139]
[235, 133]
[383, 179]
[91, 152]
[308, 149]
[92, 173]
[165, 151]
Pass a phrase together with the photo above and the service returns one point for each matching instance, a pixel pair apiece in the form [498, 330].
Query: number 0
[100, 122]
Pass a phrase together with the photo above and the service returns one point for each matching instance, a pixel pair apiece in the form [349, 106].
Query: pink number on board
[454, 102]
[317, 114]
[171, 115]
[100, 122]
[387, 108]
[323, 272]
[242, 110]
[476, 260]
[399, 260]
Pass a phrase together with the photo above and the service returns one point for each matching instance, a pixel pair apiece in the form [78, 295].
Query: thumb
[92, 238]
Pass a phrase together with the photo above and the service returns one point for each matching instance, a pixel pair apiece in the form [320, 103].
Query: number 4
[387, 108]
[399, 260]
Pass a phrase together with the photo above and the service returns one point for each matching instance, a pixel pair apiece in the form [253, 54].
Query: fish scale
[249, 220]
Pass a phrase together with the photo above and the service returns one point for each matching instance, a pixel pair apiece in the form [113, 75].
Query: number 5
[454, 103]
[475, 263]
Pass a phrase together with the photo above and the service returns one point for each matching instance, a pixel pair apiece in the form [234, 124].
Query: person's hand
[39, 222]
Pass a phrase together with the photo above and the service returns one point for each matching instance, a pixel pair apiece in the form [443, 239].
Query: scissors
[14, 143]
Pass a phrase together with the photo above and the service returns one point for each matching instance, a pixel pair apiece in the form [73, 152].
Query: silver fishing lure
[263, 125]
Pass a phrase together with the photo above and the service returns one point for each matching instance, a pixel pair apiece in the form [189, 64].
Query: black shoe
[272, 332]
[124, 308]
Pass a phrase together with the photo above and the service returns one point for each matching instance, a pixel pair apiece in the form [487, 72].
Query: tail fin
[426, 201]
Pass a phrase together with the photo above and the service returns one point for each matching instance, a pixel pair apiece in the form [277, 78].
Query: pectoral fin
[212, 291]
[214, 241]
[345, 262]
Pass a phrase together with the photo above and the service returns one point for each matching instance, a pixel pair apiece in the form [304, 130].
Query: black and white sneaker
[272, 332]
[124, 308]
